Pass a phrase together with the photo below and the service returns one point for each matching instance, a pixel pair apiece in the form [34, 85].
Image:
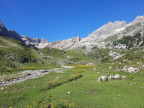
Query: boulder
[117, 76]
[103, 78]
[123, 77]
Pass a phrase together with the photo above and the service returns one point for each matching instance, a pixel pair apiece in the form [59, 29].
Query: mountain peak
[108, 28]
[138, 19]
[120, 22]
[109, 22]
[1, 24]
[2, 27]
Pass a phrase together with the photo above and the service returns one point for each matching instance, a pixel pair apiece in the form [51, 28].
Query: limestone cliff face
[111, 32]
[108, 29]
[38, 43]
[65, 43]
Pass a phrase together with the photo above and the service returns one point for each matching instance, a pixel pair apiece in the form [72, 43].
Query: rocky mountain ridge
[103, 36]
[100, 38]
[36, 42]
[111, 32]
[65, 43]
[8, 33]
[101, 33]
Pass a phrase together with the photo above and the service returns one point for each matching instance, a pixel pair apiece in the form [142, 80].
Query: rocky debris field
[25, 75]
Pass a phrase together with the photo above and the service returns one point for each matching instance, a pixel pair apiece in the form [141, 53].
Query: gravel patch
[28, 74]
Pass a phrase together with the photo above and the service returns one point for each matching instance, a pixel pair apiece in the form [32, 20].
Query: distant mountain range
[102, 37]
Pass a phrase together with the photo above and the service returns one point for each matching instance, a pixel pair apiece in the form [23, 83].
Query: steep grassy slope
[13, 52]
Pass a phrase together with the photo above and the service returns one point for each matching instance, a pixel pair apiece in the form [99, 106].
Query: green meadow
[81, 92]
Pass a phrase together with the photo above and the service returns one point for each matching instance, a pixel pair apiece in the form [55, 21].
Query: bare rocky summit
[65, 43]
[109, 28]
[111, 32]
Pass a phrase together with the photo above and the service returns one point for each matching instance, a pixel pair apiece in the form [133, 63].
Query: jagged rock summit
[36, 42]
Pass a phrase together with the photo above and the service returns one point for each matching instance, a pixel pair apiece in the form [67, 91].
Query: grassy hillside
[65, 57]
[14, 55]
[13, 52]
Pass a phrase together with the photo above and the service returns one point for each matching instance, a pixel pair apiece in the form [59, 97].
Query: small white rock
[68, 92]
[2, 88]
[123, 77]
[117, 76]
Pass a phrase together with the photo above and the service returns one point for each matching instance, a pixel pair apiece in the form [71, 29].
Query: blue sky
[64, 19]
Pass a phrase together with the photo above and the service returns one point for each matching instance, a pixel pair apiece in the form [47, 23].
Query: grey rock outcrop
[109, 29]
[135, 26]
[65, 43]
[38, 43]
